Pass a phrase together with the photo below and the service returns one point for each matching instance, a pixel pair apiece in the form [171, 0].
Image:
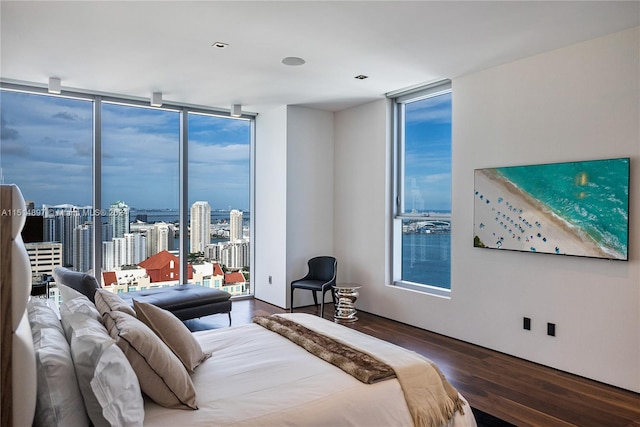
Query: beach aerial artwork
[573, 208]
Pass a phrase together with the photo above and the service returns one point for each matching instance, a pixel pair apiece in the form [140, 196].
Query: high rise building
[159, 236]
[119, 251]
[212, 252]
[119, 218]
[82, 247]
[136, 248]
[60, 221]
[235, 222]
[163, 237]
[44, 257]
[235, 255]
[107, 232]
[108, 256]
[124, 251]
[200, 226]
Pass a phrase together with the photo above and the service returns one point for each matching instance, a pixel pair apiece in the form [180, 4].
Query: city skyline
[123, 248]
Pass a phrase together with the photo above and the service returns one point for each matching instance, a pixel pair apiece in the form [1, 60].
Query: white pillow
[59, 401]
[24, 374]
[76, 301]
[42, 316]
[108, 384]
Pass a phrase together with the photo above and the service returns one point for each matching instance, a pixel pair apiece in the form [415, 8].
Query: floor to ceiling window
[422, 225]
[48, 148]
[219, 165]
[140, 194]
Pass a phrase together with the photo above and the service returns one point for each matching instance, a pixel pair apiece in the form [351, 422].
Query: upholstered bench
[184, 301]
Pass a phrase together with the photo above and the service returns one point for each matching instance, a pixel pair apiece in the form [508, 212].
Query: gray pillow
[58, 400]
[84, 283]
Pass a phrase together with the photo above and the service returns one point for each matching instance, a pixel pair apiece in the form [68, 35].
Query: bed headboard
[17, 359]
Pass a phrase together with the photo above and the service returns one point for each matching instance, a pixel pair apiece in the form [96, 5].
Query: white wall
[270, 207]
[581, 102]
[310, 203]
[294, 199]
[361, 195]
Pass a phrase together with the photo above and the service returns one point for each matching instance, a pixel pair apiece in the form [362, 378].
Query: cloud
[66, 115]
[218, 154]
[431, 110]
[14, 148]
[83, 150]
[7, 133]
[437, 178]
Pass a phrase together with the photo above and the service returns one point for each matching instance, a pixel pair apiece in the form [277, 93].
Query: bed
[249, 375]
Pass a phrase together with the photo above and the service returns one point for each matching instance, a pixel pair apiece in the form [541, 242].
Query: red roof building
[217, 270]
[236, 277]
[164, 267]
[109, 278]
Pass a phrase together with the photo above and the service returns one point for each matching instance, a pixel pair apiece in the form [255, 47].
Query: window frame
[399, 100]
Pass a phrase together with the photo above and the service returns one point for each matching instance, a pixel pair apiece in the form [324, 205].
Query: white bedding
[258, 378]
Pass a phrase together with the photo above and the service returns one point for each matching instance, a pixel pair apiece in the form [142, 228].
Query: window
[219, 195]
[46, 149]
[121, 173]
[422, 220]
[140, 189]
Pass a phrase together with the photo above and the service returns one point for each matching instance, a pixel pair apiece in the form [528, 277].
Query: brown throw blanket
[431, 399]
[355, 363]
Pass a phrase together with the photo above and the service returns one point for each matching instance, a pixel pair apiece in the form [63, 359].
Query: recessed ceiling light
[361, 77]
[220, 45]
[293, 61]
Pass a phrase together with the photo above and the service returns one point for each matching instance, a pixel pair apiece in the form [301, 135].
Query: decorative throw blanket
[355, 363]
[431, 399]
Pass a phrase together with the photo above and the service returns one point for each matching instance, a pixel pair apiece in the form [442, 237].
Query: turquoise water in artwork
[591, 195]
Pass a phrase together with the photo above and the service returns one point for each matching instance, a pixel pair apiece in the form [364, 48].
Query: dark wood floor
[517, 391]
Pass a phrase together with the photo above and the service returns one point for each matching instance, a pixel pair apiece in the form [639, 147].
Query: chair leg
[291, 306]
[315, 297]
[323, 294]
[229, 318]
[322, 307]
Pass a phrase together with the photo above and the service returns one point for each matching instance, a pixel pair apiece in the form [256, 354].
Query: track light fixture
[156, 99]
[55, 85]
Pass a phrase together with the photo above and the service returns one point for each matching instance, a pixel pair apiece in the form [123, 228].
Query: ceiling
[134, 48]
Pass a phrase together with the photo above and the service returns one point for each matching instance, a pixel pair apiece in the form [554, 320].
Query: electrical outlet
[551, 329]
[270, 281]
[526, 323]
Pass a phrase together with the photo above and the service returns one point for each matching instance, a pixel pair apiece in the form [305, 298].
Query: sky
[428, 154]
[46, 146]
